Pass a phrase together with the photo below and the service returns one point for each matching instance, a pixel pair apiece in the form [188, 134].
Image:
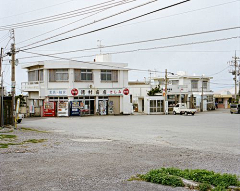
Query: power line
[200, 9]
[62, 16]
[94, 22]
[219, 71]
[95, 63]
[37, 9]
[158, 47]
[201, 42]
[135, 50]
[146, 20]
[150, 40]
[95, 13]
[109, 26]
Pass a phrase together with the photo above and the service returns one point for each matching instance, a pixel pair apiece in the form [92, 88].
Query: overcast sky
[190, 17]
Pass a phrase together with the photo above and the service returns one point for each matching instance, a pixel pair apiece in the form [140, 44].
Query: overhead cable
[58, 17]
[94, 22]
[109, 26]
[95, 13]
[150, 40]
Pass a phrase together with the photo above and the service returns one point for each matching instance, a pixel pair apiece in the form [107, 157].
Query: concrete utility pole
[166, 82]
[1, 61]
[202, 96]
[13, 84]
[2, 118]
[2, 122]
[235, 72]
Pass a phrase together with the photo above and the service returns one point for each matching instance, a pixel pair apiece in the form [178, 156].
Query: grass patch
[5, 136]
[172, 177]
[34, 141]
[6, 145]
[35, 130]
[10, 131]
[204, 187]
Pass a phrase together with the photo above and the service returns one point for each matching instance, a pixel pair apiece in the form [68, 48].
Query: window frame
[107, 74]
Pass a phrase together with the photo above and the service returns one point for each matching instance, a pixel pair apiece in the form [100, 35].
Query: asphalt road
[102, 152]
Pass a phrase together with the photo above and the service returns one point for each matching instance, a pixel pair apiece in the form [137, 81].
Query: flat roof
[78, 65]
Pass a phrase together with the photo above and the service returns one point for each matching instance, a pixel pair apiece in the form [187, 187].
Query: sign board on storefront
[57, 92]
[108, 92]
[74, 92]
[126, 91]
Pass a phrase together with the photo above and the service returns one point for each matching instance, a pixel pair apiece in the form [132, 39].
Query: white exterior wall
[147, 103]
[41, 89]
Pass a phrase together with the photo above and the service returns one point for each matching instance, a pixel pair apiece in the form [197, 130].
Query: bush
[204, 187]
[160, 178]
[171, 177]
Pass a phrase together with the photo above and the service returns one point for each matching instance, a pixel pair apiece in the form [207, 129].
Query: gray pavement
[102, 152]
[216, 131]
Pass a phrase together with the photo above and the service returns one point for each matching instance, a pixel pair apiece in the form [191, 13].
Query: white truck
[181, 108]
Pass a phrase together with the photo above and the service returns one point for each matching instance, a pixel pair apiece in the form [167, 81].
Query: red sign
[74, 92]
[126, 91]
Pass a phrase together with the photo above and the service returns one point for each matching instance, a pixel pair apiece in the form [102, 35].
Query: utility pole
[1, 73]
[166, 82]
[1, 61]
[235, 72]
[202, 96]
[13, 84]
[2, 118]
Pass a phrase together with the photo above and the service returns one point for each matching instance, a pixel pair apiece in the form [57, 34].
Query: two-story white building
[99, 87]
[181, 88]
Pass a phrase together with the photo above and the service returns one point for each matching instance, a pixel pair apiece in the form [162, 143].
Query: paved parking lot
[102, 152]
[216, 131]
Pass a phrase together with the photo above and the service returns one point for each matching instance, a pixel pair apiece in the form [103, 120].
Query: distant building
[100, 87]
[224, 97]
[181, 88]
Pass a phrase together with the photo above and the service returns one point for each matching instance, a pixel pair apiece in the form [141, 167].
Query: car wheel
[231, 112]
[174, 113]
[193, 113]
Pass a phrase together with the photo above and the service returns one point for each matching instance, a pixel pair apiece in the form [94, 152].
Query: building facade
[181, 88]
[98, 87]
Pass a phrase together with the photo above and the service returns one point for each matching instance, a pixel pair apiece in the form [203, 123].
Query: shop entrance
[87, 104]
[103, 105]
[114, 105]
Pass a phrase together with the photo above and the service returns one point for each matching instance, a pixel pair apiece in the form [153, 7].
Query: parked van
[235, 108]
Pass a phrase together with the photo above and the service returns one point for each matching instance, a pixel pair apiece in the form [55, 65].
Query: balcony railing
[31, 86]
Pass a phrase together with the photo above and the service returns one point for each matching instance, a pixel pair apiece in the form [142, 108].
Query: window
[175, 82]
[194, 84]
[33, 76]
[209, 98]
[40, 72]
[205, 84]
[109, 75]
[83, 75]
[36, 75]
[58, 75]
[156, 106]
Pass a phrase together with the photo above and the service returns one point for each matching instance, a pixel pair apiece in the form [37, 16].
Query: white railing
[34, 86]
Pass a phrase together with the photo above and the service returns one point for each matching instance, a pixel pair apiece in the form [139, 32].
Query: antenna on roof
[100, 46]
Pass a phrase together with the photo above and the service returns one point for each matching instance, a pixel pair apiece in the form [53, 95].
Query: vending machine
[75, 108]
[49, 109]
[62, 109]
